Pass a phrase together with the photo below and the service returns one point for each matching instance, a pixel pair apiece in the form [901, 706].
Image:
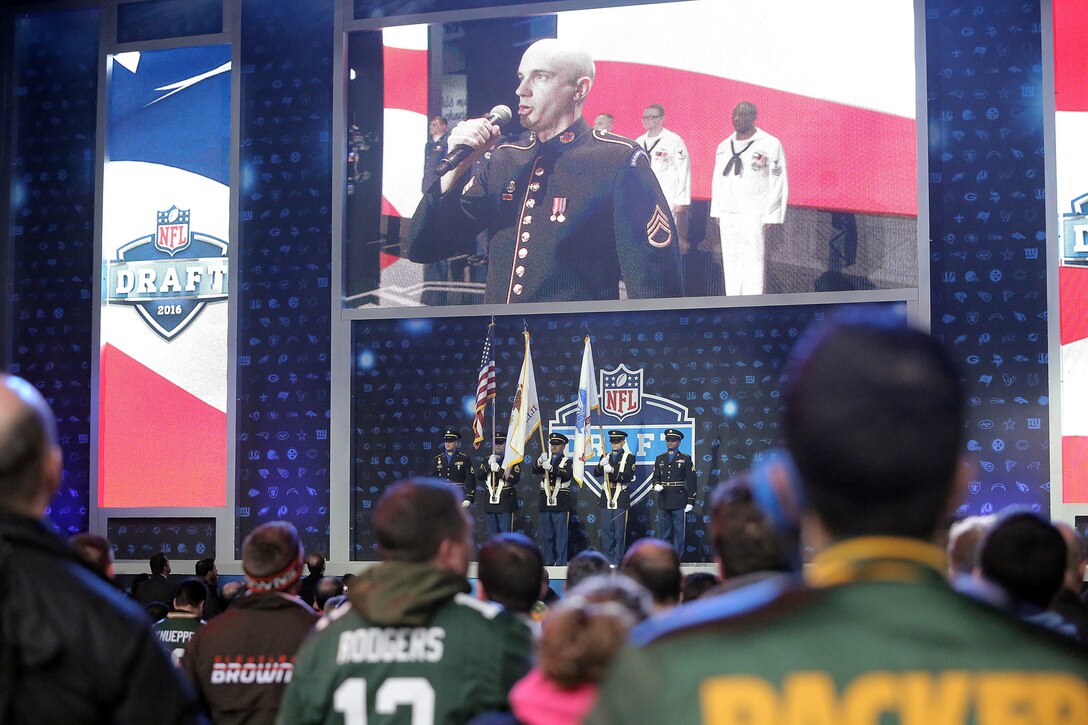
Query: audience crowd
[878, 623]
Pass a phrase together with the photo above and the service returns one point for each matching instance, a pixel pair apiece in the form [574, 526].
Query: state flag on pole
[525, 416]
[588, 408]
[485, 386]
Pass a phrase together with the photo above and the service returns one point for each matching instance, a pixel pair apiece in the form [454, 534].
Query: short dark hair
[270, 548]
[413, 518]
[204, 566]
[315, 562]
[874, 422]
[1024, 554]
[158, 563]
[327, 586]
[696, 584]
[511, 570]
[584, 564]
[95, 550]
[654, 564]
[744, 539]
[191, 592]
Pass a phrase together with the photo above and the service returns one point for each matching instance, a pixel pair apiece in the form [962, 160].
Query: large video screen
[714, 374]
[1071, 129]
[659, 150]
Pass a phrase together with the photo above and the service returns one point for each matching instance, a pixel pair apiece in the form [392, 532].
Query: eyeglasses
[651, 115]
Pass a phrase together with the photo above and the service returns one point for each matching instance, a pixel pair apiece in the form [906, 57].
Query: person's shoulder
[770, 598]
[614, 142]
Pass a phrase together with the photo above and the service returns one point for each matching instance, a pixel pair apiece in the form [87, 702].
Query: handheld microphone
[498, 116]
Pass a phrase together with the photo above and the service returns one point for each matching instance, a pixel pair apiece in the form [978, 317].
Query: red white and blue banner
[162, 438]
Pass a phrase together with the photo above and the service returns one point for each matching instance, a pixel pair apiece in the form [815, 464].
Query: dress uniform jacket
[624, 463]
[508, 498]
[678, 478]
[566, 220]
[878, 636]
[561, 474]
[457, 470]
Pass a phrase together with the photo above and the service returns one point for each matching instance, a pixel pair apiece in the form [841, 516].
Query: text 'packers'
[912, 698]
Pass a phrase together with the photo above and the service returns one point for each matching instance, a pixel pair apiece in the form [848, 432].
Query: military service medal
[559, 208]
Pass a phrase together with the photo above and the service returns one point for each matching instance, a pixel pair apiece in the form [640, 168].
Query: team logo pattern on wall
[178, 538]
[987, 223]
[285, 261]
[714, 373]
[52, 232]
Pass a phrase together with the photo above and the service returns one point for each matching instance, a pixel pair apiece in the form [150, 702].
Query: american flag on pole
[485, 385]
[587, 407]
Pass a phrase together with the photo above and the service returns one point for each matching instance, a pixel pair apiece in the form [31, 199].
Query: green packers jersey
[175, 630]
[878, 637]
[462, 662]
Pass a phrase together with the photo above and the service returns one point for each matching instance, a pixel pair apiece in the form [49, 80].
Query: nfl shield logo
[172, 232]
[621, 391]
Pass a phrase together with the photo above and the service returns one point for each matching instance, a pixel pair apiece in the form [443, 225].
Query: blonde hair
[584, 631]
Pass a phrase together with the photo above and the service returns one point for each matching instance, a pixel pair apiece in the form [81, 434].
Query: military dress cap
[673, 433]
[557, 439]
[500, 437]
[616, 435]
[451, 435]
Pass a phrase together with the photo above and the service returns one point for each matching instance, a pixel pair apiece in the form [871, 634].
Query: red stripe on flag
[1074, 469]
[1073, 303]
[1070, 59]
[405, 76]
[838, 157]
[158, 445]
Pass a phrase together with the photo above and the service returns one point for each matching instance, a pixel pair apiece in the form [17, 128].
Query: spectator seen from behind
[412, 642]
[187, 616]
[654, 564]
[72, 648]
[157, 588]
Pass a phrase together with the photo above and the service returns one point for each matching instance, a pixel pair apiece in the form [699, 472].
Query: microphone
[499, 115]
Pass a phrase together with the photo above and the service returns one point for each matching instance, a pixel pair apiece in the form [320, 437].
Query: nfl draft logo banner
[642, 415]
[169, 276]
[166, 280]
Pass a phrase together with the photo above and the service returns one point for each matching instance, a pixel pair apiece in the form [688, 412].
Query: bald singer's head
[554, 78]
[30, 459]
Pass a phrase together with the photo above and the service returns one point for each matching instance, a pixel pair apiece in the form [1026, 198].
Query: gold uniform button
[530, 203]
[524, 236]
[520, 271]
[523, 253]
[528, 219]
[535, 186]
[539, 171]
[518, 289]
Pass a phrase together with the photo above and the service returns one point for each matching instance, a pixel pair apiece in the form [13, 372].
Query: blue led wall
[988, 254]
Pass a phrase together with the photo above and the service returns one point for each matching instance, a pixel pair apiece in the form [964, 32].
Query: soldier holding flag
[555, 470]
[616, 472]
[454, 466]
[501, 488]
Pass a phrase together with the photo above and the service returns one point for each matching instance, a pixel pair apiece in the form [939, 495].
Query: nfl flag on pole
[485, 386]
[525, 416]
[588, 408]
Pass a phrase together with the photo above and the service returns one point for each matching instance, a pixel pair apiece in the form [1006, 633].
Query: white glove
[542, 485]
[547, 465]
[658, 488]
[609, 469]
[543, 459]
[689, 508]
[493, 462]
[466, 503]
